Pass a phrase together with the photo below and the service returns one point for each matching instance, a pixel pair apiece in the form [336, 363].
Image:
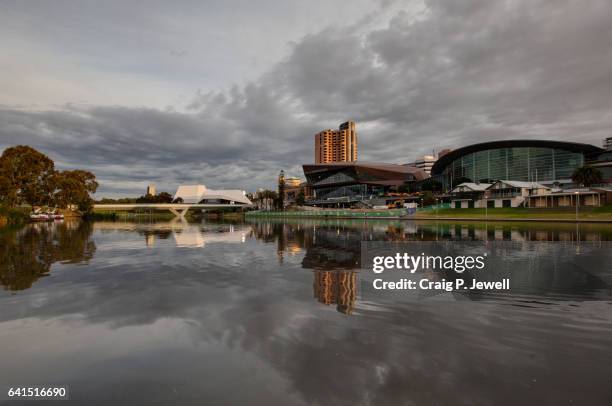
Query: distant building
[607, 144]
[508, 193]
[569, 198]
[512, 193]
[292, 181]
[503, 193]
[151, 190]
[426, 162]
[468, 195]
[201, 194]
[292, 187]
[337, 145]
[603, 163]
[542, 161]
[349, 184]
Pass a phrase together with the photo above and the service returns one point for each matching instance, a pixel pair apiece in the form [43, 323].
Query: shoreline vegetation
[10, 216]
[597, 214]
[30, 183]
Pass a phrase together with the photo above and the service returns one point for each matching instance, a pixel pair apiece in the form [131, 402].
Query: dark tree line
[587, 176]
[28, 176]
[162, 197]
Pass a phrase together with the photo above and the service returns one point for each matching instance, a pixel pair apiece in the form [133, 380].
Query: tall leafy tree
[587, 176]
[265, 199]
[428, 198]
[74, 188]
[25, 176]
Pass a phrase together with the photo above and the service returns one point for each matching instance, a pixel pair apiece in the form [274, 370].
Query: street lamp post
[577, 223]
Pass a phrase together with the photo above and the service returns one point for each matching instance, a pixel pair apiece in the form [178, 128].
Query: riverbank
[328, 213]
[13, 216]
[590, 214]
[597, 214]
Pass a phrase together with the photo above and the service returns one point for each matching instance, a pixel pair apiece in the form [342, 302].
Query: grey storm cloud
[448, 74]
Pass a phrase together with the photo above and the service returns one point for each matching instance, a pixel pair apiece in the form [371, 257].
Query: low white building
[509, 193]
[568, 198]
[503, 193]
[468, 195]
[512, 193]
[201, 194]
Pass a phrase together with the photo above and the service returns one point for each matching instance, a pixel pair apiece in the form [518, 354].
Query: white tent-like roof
[196, 193]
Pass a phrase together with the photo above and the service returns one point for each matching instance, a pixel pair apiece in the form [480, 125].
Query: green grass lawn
[604, 212]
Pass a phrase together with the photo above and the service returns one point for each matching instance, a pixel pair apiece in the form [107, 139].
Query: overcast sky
[227, 93]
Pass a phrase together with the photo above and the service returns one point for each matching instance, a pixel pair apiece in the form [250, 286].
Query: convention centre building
[546, 162]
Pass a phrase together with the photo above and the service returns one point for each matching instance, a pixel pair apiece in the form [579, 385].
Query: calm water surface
[274, 313]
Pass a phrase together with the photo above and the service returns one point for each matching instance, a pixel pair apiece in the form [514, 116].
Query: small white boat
[40, 217]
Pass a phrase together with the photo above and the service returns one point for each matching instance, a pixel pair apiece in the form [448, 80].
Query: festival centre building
[344, 184]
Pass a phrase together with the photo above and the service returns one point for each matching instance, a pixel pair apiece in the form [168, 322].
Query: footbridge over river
[178, 209]
[190, 197]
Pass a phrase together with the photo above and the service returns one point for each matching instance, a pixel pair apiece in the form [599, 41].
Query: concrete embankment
[377, 214]
[542, 220]
[534, 215]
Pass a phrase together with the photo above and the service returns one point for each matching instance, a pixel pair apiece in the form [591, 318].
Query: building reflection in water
[332, 252]
[150, 239]
[332, 249]
[336, 287]
[185, 235]
[197, 236]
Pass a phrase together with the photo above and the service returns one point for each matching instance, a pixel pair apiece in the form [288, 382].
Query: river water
[274, 312]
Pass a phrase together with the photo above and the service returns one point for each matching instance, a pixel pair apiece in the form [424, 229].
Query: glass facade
[359, 191]
[353, 183]
[530, 164]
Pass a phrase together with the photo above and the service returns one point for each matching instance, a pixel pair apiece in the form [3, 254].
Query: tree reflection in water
[27, 254]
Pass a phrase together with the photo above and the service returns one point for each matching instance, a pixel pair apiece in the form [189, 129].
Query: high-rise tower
[336, 145]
